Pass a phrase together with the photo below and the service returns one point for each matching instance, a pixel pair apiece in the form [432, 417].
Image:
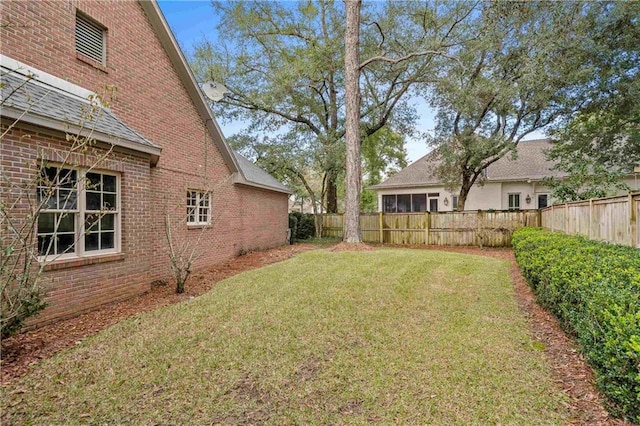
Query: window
[408, 203]
[389, 203]
[454, 202]
[80, 213]
[100, 212]
[404, 203]
[91, 39]
[419, 202]
[198, 208]
[514, 201]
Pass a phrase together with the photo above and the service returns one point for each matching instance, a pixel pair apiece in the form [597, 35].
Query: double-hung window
[79, 213]
[198, 208]
[100, 212]
[514, 201]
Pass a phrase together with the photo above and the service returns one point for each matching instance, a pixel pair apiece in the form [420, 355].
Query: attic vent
[90, 39]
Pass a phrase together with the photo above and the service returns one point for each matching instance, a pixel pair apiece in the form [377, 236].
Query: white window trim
[199, 195]
[79, 213]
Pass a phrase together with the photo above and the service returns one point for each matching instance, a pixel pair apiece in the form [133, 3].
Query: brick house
[164, 150]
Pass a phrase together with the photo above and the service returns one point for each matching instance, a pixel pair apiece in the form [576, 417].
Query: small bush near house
[293, 226]
[594, 290]
[305, 227]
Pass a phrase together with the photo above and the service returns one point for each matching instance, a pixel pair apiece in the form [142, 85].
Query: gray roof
[48, 102]
[255, 175]
[531, 163]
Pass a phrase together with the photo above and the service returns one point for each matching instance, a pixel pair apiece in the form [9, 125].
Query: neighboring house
[303, 205]
[510, 184]
[169, 154]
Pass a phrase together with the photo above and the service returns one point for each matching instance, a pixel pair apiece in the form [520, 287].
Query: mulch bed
[570, 369]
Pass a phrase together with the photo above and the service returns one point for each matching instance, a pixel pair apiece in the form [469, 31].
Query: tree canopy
[494, 71]
[601, 142]
[521, 74]
[283, 64]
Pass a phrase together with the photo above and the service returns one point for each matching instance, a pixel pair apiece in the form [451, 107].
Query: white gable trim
[53, 81]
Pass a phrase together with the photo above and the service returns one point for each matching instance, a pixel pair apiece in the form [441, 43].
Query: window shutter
[90, 39]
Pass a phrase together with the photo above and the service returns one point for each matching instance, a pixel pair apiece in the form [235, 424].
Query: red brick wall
[150, 99]
[264, 219]
[78, 286]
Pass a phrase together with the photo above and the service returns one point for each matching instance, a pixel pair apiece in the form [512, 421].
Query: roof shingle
[254, 174]
[40, 99]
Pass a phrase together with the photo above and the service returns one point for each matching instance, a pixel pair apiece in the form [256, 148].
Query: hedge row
[593, 288]
[301, 225]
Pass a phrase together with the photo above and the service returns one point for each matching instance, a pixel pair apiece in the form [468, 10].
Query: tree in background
[522, 73]
[599, 144]
[383, 155]
[284, 67]
[294, 161]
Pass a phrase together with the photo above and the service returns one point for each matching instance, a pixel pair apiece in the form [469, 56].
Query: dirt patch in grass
[26, 349]
[352, 247]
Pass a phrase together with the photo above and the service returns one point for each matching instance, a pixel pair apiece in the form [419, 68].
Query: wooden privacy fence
[481, 228]
[613, 219]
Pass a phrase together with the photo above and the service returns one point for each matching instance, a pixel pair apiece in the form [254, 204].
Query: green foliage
[383, 154]
[594, 290]
[283, 64]
[304, 226]
[521, 73]
[20, 300]
[293, 227]
[606, 131]
[586, 179]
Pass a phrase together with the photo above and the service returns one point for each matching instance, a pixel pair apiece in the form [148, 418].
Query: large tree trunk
[467, 182]
[352, 123]
[332, 191]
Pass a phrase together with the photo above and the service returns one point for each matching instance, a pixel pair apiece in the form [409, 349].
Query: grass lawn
[391, 336]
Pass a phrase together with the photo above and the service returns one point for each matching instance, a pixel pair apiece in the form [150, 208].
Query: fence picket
[488, 228]
[611, 219]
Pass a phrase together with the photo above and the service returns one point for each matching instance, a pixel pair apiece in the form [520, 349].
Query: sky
[192, 21]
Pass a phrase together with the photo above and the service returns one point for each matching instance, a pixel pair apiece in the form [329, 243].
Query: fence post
[632, 221]
[426, 228]
[553, 217]
[566, 218]
[590, 217]
[381, 224]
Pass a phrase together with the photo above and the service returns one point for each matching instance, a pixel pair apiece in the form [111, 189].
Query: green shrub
[305, 227]
[593, 288]
[293, 226]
